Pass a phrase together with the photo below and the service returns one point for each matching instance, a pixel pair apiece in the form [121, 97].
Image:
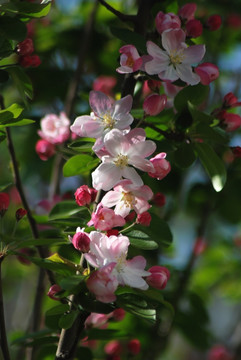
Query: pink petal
[99, 103]
[194, 54]
[186, 74]
[111, 198]
[173, 40]
[116, 143]
[87, 126]
[106, 176]
[140, 163]
[131, 174]
[142, 149]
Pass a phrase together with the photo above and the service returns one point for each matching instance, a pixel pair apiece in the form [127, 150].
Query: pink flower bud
[118, 314]
[29, 60]
[20, 213]
[159, 199]
[95, 320]
[44, 149]
[53, 290]
[4, 203]
[167, 21]
[130, 59]
[214, 22]
[208, 72]
[112, 232]
[130, 217]
[105, 219]
[134, 346]
[105, 84]
[236, 151]
[25, 47]
[159, 277]
[85, 195]
[81, 242]
[219, 352]
[161, 166]
[194, 28]
[154, 104]
[144, 219]
[113, 348]
[231, 121]
[234, 21]
[187, 11]
[229, 100]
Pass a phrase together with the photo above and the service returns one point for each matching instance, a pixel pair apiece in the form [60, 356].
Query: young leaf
[79, 164]
[141, 240]
[195, 94]
[67, 319]
[22, 82]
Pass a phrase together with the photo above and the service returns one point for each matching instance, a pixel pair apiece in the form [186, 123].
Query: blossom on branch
[55, 129]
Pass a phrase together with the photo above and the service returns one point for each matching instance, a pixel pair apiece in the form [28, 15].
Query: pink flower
[113, 348]
[105, 84]
[161, 166]
[103, 283]
[81, 241]
[25, 47]
[85, 195]
[234, 21]
[126, 197]
[20, 213]
[167, 21]
[123, 150]
[187, 11]
[134, 346]
[130, 60]
[176, 60]
[4, 203]
[194, 28]
[95, 320]
[29, 60]
[154, 104]
[231, 121]
[207, 72]
[230, 100]
[214, 22]
[159, 277]
[44, 149]
[199, 246]
[106, 116]
[219, 352]
[113, 250]
[105, 219]
[118, 314]
[144, 219]
[53, 290]
[55, 129]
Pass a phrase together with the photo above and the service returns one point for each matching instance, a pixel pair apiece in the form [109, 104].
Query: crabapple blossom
[130, 60]
[81, 241]
[187, 11]
[231, 121]
[29, 60]
[219, 352]
[20, 213]
[144, 219]
[126, 197]
[134, 346]
[25, 47]
[113, 250]
[167, 21]
[95, 320]
[159, 199]
[207, 72]
[105, 219]
[44, 149]
[55, 129]
[113, 348]
[118, 314]
[105, 84]
[154, 104]
[123, 150]
[230, 100]
[85, 195]
[161, 166]
[159, 277]
[175, 61]
[106, 115]
[103, 284]
[194, 28]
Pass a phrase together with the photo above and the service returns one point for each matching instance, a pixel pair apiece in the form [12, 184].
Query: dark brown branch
[120, 15]
[3, 334]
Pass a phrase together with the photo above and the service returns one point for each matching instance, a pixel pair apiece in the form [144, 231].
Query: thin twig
[3, 334]
[120, 15]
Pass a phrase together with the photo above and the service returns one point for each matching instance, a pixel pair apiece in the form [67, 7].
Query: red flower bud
[234, 21]
[20, 213]
[219, 352]
[53, 290]
[25, 47]
[81, 242]
[187, 11]
[112, 232]
[29, 60]
[159, 199]
[134, 346]
[231, 121]
[130, 217]
[208, 72]
[4, 203]
[44, 149]
[236, 151]
[154, 104]
[118, 314]
[214, 22]
[200, 246]
[85, 195]
[194, 28]
[113, 348]
[229, 100]
[159, 277]
[144, 218]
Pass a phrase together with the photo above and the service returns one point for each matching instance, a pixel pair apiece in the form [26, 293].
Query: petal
[141, 206]
[186, 74]
[136, 135]
[111, 198]
[122, 209]
[194, 54]
[122, 106]
[131, 174]
[155, 51]
[106, 176]
[173, 39]
[170, 74]
[142, 149]
[87, 126]
[116, 143]
[142, 164]
[124, 69]
[99, 103]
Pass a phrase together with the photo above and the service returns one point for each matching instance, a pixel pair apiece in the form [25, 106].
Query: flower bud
[236, 151]
[159, 199]
[53, 290]
[214, 22]
[112, 232]
[229, 100]
[134, 346]
[194, 28]
[199, 246]
[23, 259]
[29, 60]
[187, 11]
[154, 104]
[81, 242]
[20, 213]
[113, 348]
[167, 21]
[25, 47]
[118, 314]
[144, 219]
[219, 352]
[130, 217]
[159, 277]
[44, 149]
[208, 72]
[4, 203]
[233, 21]
[85, 195]
[161, 166]
[231, 121]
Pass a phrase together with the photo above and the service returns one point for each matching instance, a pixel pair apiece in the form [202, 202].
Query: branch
[170, 135]
[120, 15]
[3, 335]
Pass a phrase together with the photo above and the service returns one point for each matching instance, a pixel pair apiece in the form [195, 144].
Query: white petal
[186, 74]
[106, 176]
[194, 54]
[173, 39]
[111, 198]
[142, 149]
[116, 143]
[122, 106]
[169, 74]
[100, 103]
[142, 164]
[131, 174]
[87, 126]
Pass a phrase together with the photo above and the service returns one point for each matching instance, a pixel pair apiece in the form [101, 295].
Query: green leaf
[22, 82]
[2, 136]
[130, 37]
[12, 28]
[213, 165]
[25, 9]
[71, 282]
[65, 209]
[67, 319]
[6, 48]
[195, 94]
[38, 242]
[83, 353]
[64, 268]
[58, 309]
[79, 165]
[10, 114]
[184, 156]
[82, 145]
[141, 240]
[18, 123]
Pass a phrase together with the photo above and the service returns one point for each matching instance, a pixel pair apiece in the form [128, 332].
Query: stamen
[108, 121]
[176, 57]
[121, 161]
